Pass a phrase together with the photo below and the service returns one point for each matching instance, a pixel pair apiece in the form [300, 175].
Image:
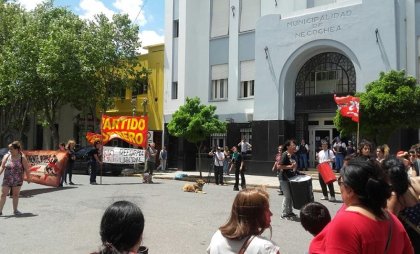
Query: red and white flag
[348, 106]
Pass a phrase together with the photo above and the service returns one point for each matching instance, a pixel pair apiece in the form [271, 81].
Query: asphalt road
[66, 220]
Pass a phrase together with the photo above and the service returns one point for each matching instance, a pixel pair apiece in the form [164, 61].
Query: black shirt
[286, 161]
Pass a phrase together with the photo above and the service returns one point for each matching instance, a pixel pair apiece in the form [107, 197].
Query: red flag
[348, 106]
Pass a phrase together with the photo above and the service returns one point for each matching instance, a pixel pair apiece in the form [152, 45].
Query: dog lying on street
[196, 187]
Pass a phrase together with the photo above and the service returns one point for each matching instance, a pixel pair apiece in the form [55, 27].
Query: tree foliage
[195, 122]
[49, 57]
[389, 103]
[14, 103]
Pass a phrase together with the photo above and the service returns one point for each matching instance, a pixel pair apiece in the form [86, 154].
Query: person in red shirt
[364, 226]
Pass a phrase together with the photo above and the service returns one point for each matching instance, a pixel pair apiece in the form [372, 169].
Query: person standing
[350, 149]
[62, 148]
[303, 155]
[163, 156]
[339, 150]
[14, 165]
[238, 165]
[276, 166]
[151, 160]
[72, 157]
[245, 146]
[226, 162]
[326, 155]
[218, 160]
[94, 161]
[288, 167]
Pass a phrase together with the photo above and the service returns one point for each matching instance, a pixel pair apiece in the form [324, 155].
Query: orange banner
[46, 167]
[91, 137]
[131, 129]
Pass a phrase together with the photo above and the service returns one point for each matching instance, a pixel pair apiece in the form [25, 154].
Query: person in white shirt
[245, 146]
[326, 155]
[219, 158]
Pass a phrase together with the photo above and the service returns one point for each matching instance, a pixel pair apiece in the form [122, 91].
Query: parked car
[81, 164]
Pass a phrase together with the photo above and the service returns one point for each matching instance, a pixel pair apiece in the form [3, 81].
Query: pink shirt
[352, 232]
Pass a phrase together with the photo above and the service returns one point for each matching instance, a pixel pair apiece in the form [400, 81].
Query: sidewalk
[251, 180]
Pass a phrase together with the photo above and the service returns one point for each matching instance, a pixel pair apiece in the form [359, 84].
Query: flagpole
[358, 131]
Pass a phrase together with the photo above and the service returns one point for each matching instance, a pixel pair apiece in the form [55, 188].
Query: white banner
[120, 155]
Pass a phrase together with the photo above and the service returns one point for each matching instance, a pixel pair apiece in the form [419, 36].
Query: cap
[401, 153]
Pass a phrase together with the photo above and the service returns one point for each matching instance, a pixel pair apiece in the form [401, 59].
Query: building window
[219, 82]
[315, 3]
[176, 28]
[174, 94]
[250, 12]
[219, 89]
[247, 89]
[326, 73]
[219, 18]
[247, 79]
[218, 140]
[140, 87]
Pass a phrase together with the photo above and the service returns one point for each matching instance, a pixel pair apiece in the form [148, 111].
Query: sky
[148, 14]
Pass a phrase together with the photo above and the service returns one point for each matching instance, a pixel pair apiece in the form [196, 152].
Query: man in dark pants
[94, 161]
[150, 161]
[238, 164]
[218, 157]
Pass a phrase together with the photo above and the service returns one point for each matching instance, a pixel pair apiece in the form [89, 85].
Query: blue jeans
[303, 161]
[339, 158]
[93, 167]
[287, 198]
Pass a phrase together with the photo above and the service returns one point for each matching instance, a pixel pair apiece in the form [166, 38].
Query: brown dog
[196, 187]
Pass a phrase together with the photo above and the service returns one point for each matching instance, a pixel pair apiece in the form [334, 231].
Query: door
[315, 137]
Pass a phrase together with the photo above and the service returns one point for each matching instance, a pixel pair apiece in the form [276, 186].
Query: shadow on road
[22, 215]
[33, 192]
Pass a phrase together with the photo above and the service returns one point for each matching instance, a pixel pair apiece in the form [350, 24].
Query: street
[66, 220]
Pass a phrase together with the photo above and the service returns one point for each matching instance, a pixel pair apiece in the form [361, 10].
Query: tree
[111, 58]
[390, 103]
[195, 122]
[50, 58]
[14, 101]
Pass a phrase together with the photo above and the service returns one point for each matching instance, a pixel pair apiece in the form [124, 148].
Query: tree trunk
[199, 158]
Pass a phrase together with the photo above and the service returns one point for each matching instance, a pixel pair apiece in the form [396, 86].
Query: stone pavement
[251, 180]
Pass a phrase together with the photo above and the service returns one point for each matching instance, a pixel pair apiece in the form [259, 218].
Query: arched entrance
[318, 79]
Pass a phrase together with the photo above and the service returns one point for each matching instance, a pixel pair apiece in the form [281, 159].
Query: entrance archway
[318, 79]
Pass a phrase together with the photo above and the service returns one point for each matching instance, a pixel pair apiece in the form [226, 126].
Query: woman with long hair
[363, 225]
[72, 157]
[404, 201]
[121, 228]
[249, 218]
[382, 153]
[14, 165]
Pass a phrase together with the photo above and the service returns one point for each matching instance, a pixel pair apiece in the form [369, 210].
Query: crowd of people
[380, 193]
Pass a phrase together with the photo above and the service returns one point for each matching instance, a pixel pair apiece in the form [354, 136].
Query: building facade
[272, 66]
